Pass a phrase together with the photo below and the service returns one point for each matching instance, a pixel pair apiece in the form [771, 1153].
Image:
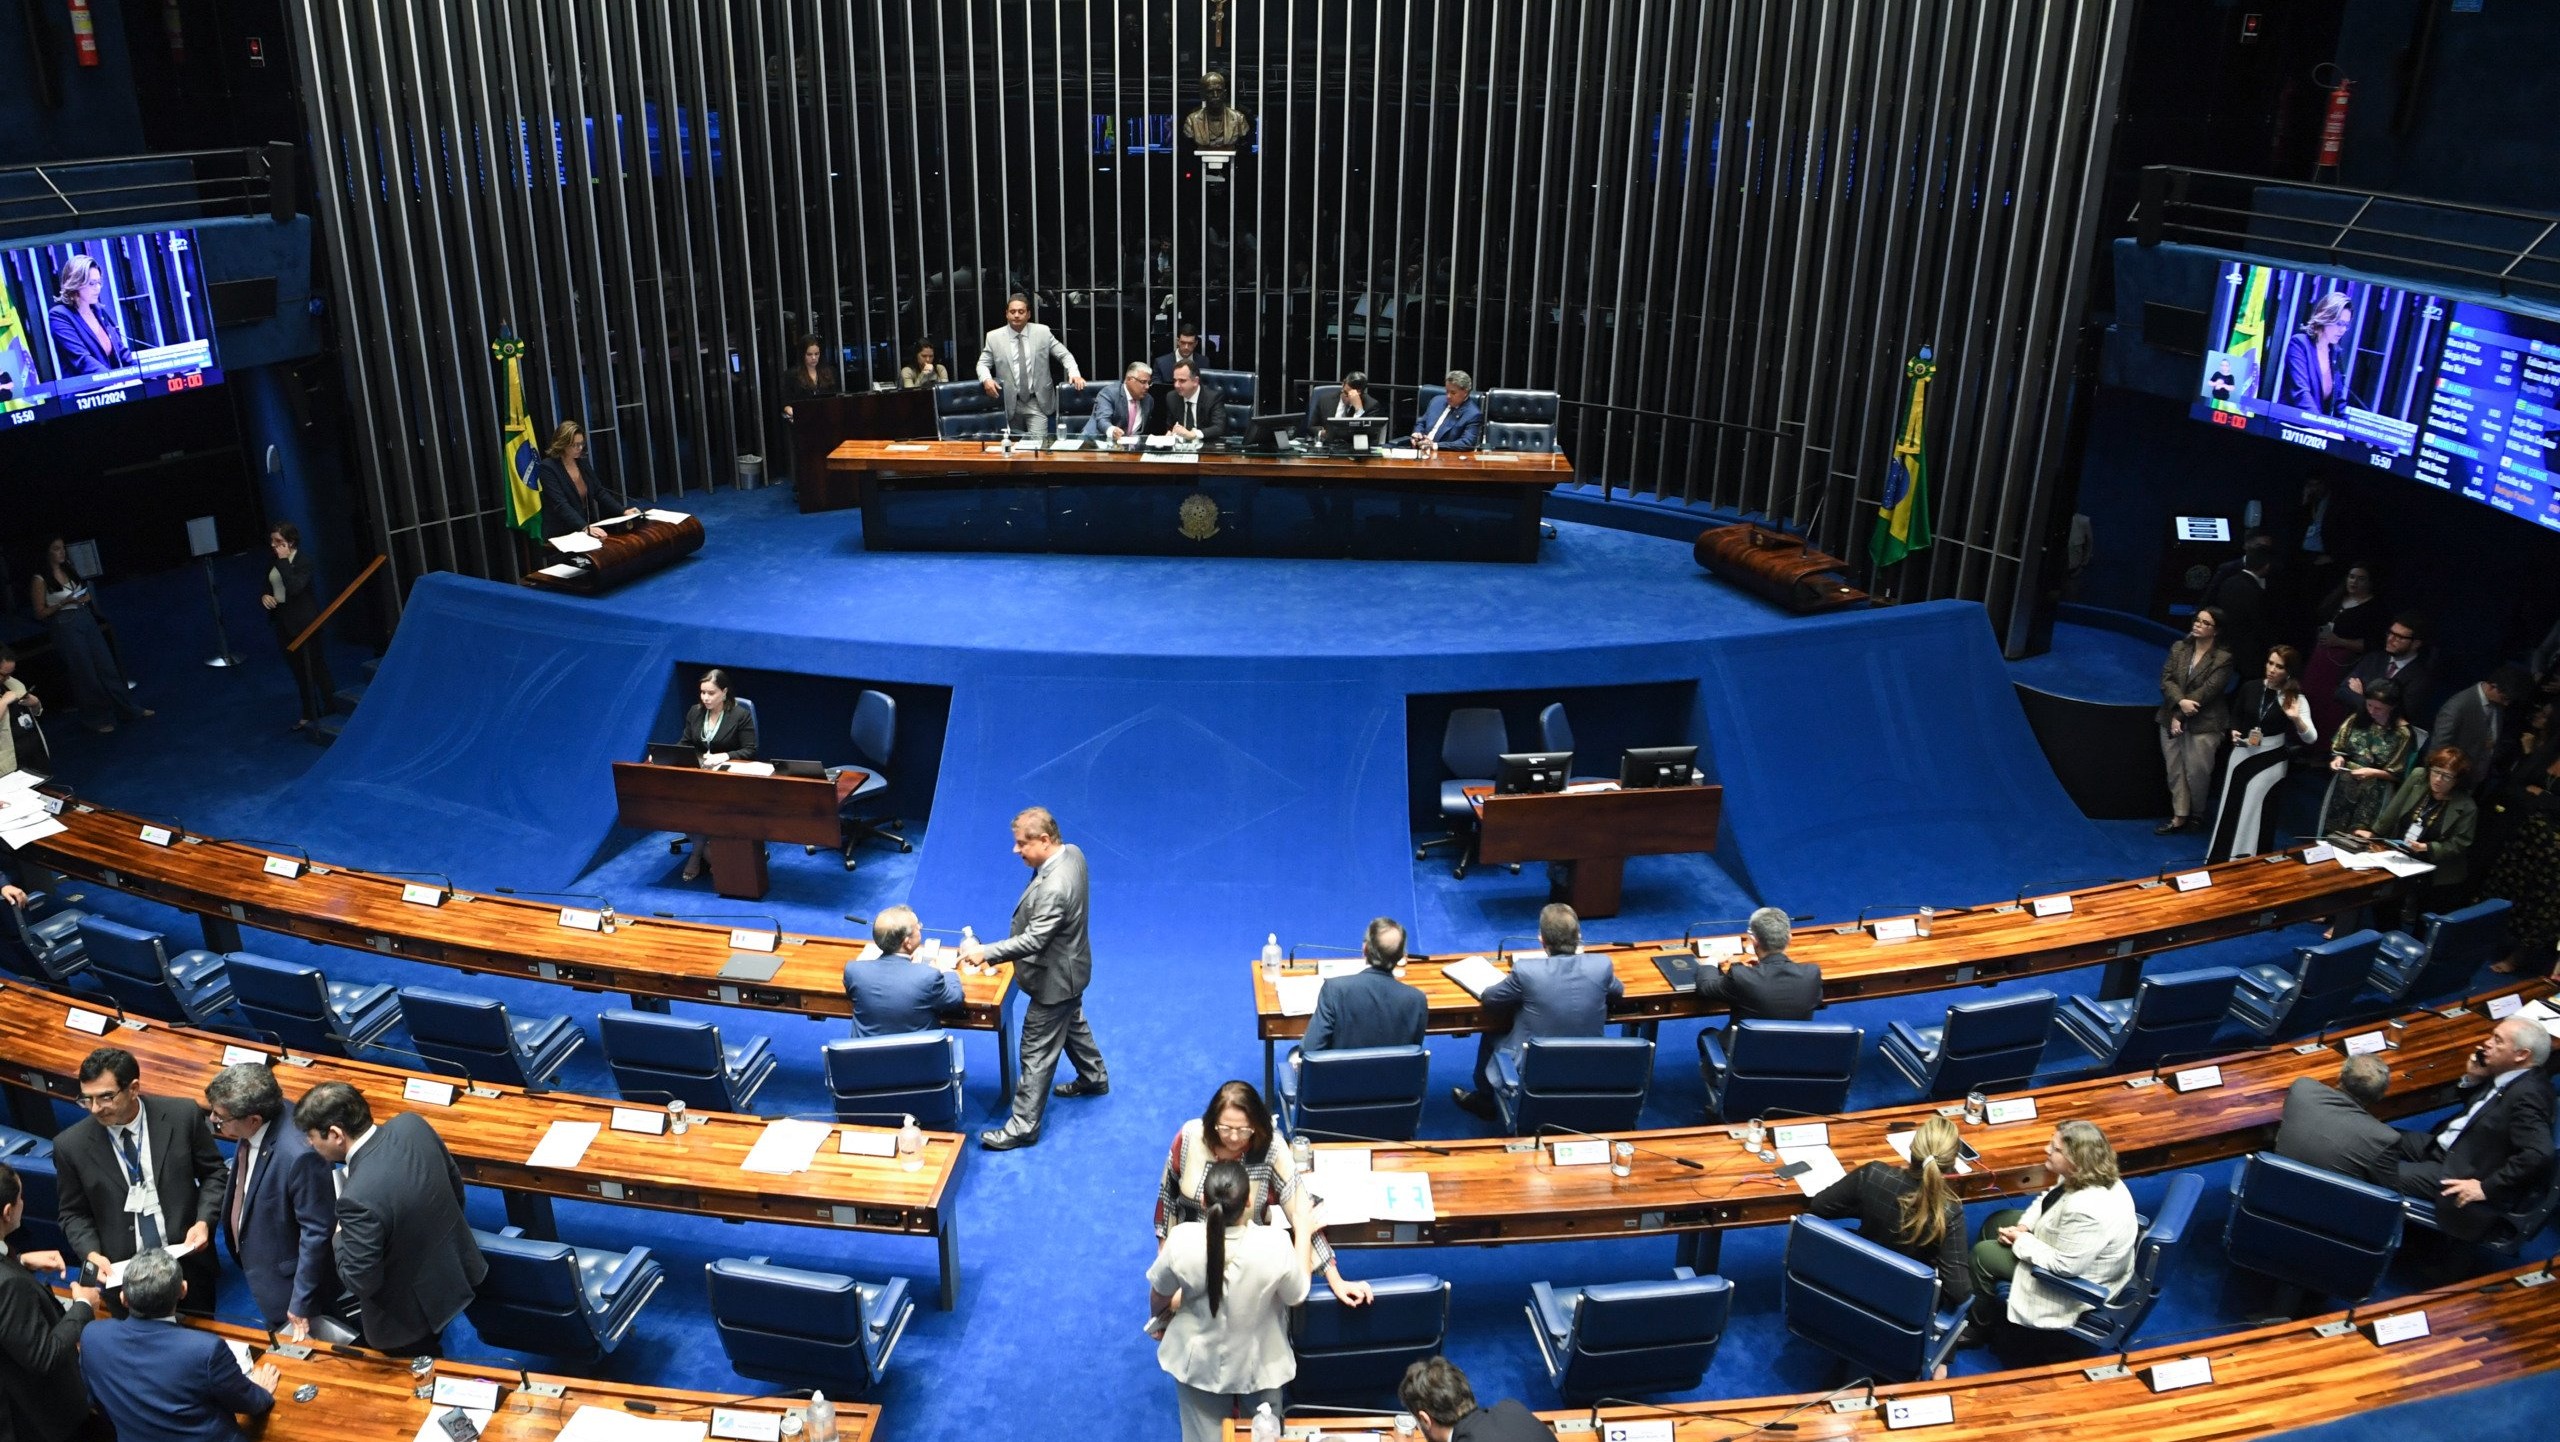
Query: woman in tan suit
[2194, 712]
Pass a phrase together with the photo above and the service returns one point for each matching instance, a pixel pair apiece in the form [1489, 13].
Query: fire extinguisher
[84, 34]
[2333, 129]
[176, 25]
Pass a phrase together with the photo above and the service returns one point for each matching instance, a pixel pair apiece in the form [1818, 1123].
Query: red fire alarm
[257, 52]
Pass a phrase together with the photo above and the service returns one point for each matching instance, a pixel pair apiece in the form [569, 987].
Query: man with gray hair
[2493, 1156]
[894, 993]
[280, 1212]
[1565, 992]
[1052, 954]
[2334, 1127]
[1452, 421]
[1771, 986]
[1126, 407]
[163, 1383]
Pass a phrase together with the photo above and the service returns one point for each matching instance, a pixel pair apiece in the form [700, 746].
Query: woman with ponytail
[1222, 1287]
[1911, 1209]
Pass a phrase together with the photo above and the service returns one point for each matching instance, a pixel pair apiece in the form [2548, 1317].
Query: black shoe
[2170, 827]
[1475, 1102]
[1004, 1141]
[1081, 1087]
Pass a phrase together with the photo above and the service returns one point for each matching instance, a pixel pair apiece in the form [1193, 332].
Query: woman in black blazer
[1911, 1209]
[574, 497]
[725, 730]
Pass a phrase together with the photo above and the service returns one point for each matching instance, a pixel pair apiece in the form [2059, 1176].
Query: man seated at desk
[1369, 1007]
[1771, 986]
[1563, 993]
[1452, 421]
[725, 730]
[1129, 406]
[1198, 410]
[893, 993]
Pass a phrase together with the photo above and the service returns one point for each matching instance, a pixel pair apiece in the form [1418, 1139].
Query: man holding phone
[2494, 1154]
[41, 1396]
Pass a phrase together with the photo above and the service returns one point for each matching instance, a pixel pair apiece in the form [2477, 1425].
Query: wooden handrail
[332, 608]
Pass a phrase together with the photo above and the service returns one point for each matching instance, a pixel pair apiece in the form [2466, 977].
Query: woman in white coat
[2084, 1228]
[1223, 1288]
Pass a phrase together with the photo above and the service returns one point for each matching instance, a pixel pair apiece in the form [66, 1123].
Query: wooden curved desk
[1494, 1190]
[2116, 924]
[356, 1393]
[492, 1130]
[653, 959]
[2266, 1380]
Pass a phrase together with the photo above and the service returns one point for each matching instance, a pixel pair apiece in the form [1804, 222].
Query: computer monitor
[1523, 773]
[1359, 435]
[1645, 766]
[1263, 435]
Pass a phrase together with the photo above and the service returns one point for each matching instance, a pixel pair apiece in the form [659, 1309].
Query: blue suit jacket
[1368, 1008]
[1465, 429]
[893, 996]
[284, 1240]
[81, 355]
[1556, 996]
[160, 1382]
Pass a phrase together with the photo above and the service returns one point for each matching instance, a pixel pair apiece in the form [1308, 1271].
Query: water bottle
[968, 940]
[607, 913]
[1266, 1427]
[1302, 1155]
[911, 1145]
[1271, 957]
[822, 1418]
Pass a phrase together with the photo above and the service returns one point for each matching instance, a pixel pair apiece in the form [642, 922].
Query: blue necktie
[145, 1225]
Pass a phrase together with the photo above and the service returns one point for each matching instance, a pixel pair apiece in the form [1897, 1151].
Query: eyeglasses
[2399, 635]
[95, 1100]
[1235, 1131]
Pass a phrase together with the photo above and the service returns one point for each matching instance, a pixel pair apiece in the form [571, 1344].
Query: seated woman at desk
[574, 497]
[725, 729]
[924, 368]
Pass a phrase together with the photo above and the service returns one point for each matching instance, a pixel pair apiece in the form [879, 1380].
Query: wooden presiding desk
[1595, 827]
[735, 813]
[2266, 1380]
[492, 1131]
[976, 495]
[655, 960]
[2116, 924]
[630, 549]
[1497, 1190]
[362, 1394]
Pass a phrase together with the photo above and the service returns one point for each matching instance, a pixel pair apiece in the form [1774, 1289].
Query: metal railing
[121, 190]
[2510, 252]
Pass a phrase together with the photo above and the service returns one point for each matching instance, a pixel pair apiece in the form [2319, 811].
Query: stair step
[352, 696]
[326, 729]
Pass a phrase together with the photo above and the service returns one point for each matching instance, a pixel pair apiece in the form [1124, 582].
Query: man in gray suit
[1563, 993]
[2475, 720]
[1052, 961]
[1014, 364]
[2334, 1127]
[404, 1249]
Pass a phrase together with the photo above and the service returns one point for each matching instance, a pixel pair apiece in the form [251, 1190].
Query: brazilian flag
[518, 451]
[17, 357]
[1902, 523]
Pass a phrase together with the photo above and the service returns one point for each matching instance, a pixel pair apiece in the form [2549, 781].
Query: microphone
[1373, 1141]
[857, 920]
[1292, 958]
[122, 1020]
[1692, 1163]
[604, 904]
[1915, 908]
[773, 922]
[443, 882]
[438, 1065]
[250, 841]
[1501, 945]
[1693, 1409]
[171, 822]
[1689, 933]
[2056, 888]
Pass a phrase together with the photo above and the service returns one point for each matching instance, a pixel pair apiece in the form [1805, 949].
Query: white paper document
[576, 543]
[1298, 994]
[1172, 458]
[1474, 973]
[560, 573]
[670, 517]
[1825, 1167]
[564, 1145]
[2398, 863]
[112, 1274]
[19, 781]
[907, 449]
[612, 1424]
[749, 768]
[787, 1147]
[31, 831]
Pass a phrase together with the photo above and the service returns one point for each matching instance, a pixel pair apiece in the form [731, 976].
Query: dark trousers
[311, 675]
[1049, 1028]
[1993, 1263]
[431, 1345]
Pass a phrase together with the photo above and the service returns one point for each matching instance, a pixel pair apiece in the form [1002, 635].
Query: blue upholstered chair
[31, 1157]
[42, 939]
[1361, 1352]
[1877, 1309]
[476, 1034]
[2312, 1228]
[1555, 733]
[1471, 747]
[962, 410]
[1625, 1339]
[877, 1077]
[556, 1300]
[1365, 1091]
[304, 1009]
[1588, 1083]
[2170, 1016]
[2457, 945]
[2319, 988]
[875, 737]
[2112, 1319]
[1519, 420]
[135, 967]
[806, 1329]
[1242, 390]
[1991, 1045]
[1753, 1068]
[659, 1059]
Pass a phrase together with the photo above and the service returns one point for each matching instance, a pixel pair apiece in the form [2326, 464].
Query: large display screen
[2460, 396]
[101, 321]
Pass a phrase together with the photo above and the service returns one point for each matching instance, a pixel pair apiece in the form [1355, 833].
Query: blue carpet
[2092, 663]
[1054, 1240]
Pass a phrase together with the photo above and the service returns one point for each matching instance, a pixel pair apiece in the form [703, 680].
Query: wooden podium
[630, 549]
[1596, 829]
[736, 815]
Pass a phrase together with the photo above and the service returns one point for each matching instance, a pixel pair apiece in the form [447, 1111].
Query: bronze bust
[1216, 125]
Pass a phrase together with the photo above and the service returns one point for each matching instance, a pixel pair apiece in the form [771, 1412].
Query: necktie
[146, 1226]
[1191, 415]
[240, 1185]
[1133, 417]
[1021, 363]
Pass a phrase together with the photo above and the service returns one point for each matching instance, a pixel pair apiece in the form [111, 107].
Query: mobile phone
[1965, 1151]
[458, 1425]
[1793, 1170]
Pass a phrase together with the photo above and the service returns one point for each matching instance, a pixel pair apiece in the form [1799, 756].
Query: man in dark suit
[1197, 411]
[1186, 347]
[1052, 958]
[1563, 993]
[162, 1383]
[1769, 987]
[2494, 1155]
[2243, 593]
[1452, 421]
[282, 1205]
[404, 1249]
[893, 993]
[1129, 406]
[41, 1396]
[2402, 659]
[1369, 1007]
[2475, 720]
[139, 1172]
[2334, 1127]
[1443, 1404]
[292, 604]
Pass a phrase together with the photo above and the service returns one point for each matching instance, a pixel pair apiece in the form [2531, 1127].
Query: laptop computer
[674, 753]
[798, 768]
